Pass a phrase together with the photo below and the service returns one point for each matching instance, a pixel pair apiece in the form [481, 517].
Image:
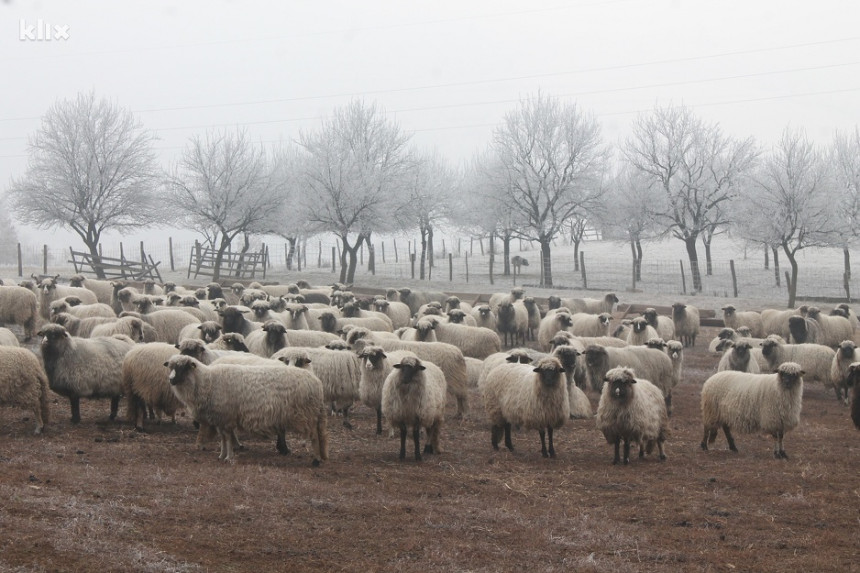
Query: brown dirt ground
[100, 496]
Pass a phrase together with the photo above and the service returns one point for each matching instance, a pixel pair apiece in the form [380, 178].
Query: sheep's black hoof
[780, 455]
[139, 429]
[418, 458]
[734, 449]
[76, 420]
[626, 461]
[428, 449]
[315, 463]
[616, 461]
[662, 457]
[347, 424]
[704, 446]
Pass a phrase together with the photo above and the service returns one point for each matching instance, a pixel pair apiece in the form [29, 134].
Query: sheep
[309, 338]
[258, 399]
[24, 383]
[845, 356]
[123, 297]
[512, 321]
[664, 325]
[832, 329]
[734, 319]
[228, 341]
[268, 340]
[731, 335]
[215, 290]
[82, 327]
[804, 330]
[815, 359]
[496, 299]
[84, 367]
[207, 331]
[651, 364]
[515, 355]
[20, 306]
[398, 312]
[842, 309]
[474, 367]
[484, 316]
[233, 320]
[445, 356]
[375, 368]
[474, 342]
[295, 316]
[580, 407]
[533, 397]
[101, 288]
[145, 382]
[81, 310]
[338, 372]
[584, 324]
[518, 262]
[457, 316]
[686, 320]
[414, 299]
[854, 382]
[766, 403]
[622, 331]
[586, 305]
[147, 305]
[632, 409]
[51, 291]
[202, 309]
[738, 357]
[675, 351]
[353, 310]
[640, 332]
[776, 321]
[600, 341]
[8, 338]
[128, 325]
[432, 308]
[167, 323]
[454, 303]
[313, 295]
[423, 331]
[331, 323]
[413, 395]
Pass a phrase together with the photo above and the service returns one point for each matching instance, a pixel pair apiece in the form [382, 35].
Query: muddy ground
[99, 496]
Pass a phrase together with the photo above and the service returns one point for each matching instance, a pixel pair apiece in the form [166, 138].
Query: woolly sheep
[473, 341]
[738, 356]
[454, 303]
[734, 319]
[376, 365]
[167, 323]
[534, 316]
[20, 306]
[334, 324]
[413, 395]
[146, 305]
[268, 340]
[533, 397]
[496, 299]
[398, 312]
[81, 310]
[675, 351]
[815, 359]
[353, 310]
[776, 321]
[233, 320]
[664, 325]
[259, 399]
[846, 355]
[51, 291]
[445, 356]
[423, 331]
[82, 327]
[832, 329]
[23, 383]
[731, 335]
[515, 355]
[229, 341]
[101, 288]
[128, 325]
[600, 341]
[295, 316]
[457, 316]
[622, 331]
[586, 305]
[804, 330]
[207, 331]
[631, 409]
[748, 403]
[474, 367]
[512, 321]
[338, 371]
[8, 338]
[84, 367]
[686, 320]
[484, 316]
[145, 381]
[309, 338]
[650, 364]
[640, 332]
[583, 324]
[568, 356]
[414, 299]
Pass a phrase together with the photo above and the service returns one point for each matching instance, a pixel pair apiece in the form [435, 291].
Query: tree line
[546, 172]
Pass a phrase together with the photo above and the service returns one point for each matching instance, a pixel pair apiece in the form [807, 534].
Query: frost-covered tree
[91, 168]
[846, 158]
[8, 236]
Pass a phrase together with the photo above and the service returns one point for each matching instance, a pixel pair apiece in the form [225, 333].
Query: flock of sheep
[273, 359]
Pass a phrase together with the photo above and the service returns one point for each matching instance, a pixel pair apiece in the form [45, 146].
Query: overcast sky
[447, 71]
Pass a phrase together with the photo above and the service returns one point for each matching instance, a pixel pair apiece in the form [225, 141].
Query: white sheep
[815, 359]
[496, 299]
[585, 324]
[686, 320]
[846, 355]
[19, 305]
[631, 409]
[309, 338]
[534, 315]
[168, 323]
[580, 406]
[587, 305]
[484, 316]
[533, 397]
[776, 321]
[640, 332]
[128, 325]
[101, 288]
[651, 364]
[549, 326]
[515, 355]
[146, 386]
[82, 327]
[376, 365]
[751, 319]
[512, 321]
[73, 306]
[664, 325]
[396, 311]
[84, 367]
[738, 356]
[424, 330]
[265, 342]
[748, 403]
[353, 310]
[233, 320]
[413, 395]
[832, 329]
[454, 303]
[24, 383]
[334, 324]
[473, 341]
[8, 338]
[414, 299]
[457, 316]
[51, 291]
[259, 399]
[207, 331]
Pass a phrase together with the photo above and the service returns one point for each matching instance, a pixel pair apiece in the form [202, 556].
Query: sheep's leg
[661, 450]
[378, 421]
[114, 407]
[779, 451]
[542, 434]
[508, 443]
[281, 445]
[617, 459]
[551, 446]
[346, 423]
[75, 403]
[626, 451]
[706, 435]
[402, 441]
[432, 445]
[668, 401]
[727, 431]
[496, 433]
[416, 438]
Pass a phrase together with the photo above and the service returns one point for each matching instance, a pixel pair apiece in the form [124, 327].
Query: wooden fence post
[492, 256]
[319, 255]
[383, 252]
[44, 259]
[333, 251]
[846, 276]
[633, 288]
[450, 267]
[683, 278]
[142, 253]
[396, 258]
[170, 247]
[20, 262]
[121, 253]
[582, 269]
[371, 260]
[734, 277]
[299, 256]
[412, 261]
[467, 267]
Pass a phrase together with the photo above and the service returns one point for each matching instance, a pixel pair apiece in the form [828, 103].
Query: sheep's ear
[306, 362]
[166, 363]
[536, 369]
[512, 358]
[398, 366]
[283, 359]
[803, 372]
[177, 348]
[421, 367]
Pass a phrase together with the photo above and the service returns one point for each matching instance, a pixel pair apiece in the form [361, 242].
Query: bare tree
[551, 156]
[846, 157]
[696, 167]
[223, 186]
[8, 236]
[790, 201]
[91, 169]
[352, 163]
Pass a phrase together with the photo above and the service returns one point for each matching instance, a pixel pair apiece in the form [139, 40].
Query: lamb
[586, 305]
[664, 325]
[457, 316]
[484, 316]
[832, 329]
[815, 359]
[496, 299]
[84, 367]
[413, 395]
[267, 341]
[854, 382]
[20, 306]
[128, 325]
[338, 372]
[653, 365]
[145, 381]
[640, 332]
[24, 383]
[583, 324]
[534, 316]
[8, 338]
[845, 356]
[445, 356]
[686, 320]
[207, 331]
[398, 312]
[259, 399]
[474, 342]
[512, 321]
[376, 365]
[295, 316]
[632, 409]
[739, 357]
[81, 310]
[734, 319]
[101, 288]
[414, 299]
[531, 396]
[766, 403]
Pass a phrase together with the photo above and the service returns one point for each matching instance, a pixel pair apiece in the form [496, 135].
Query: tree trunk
[847, 258]
[423, 252]
[429, 247]
[545, 252]
[792, 287]
[246, 244]
[506, 251]
[219, 256]
[766, 257]
[690, 243]
[708, 267]
[638, 260]
[575, 253]
[291, 241]
[93, 248]
[776, 264]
